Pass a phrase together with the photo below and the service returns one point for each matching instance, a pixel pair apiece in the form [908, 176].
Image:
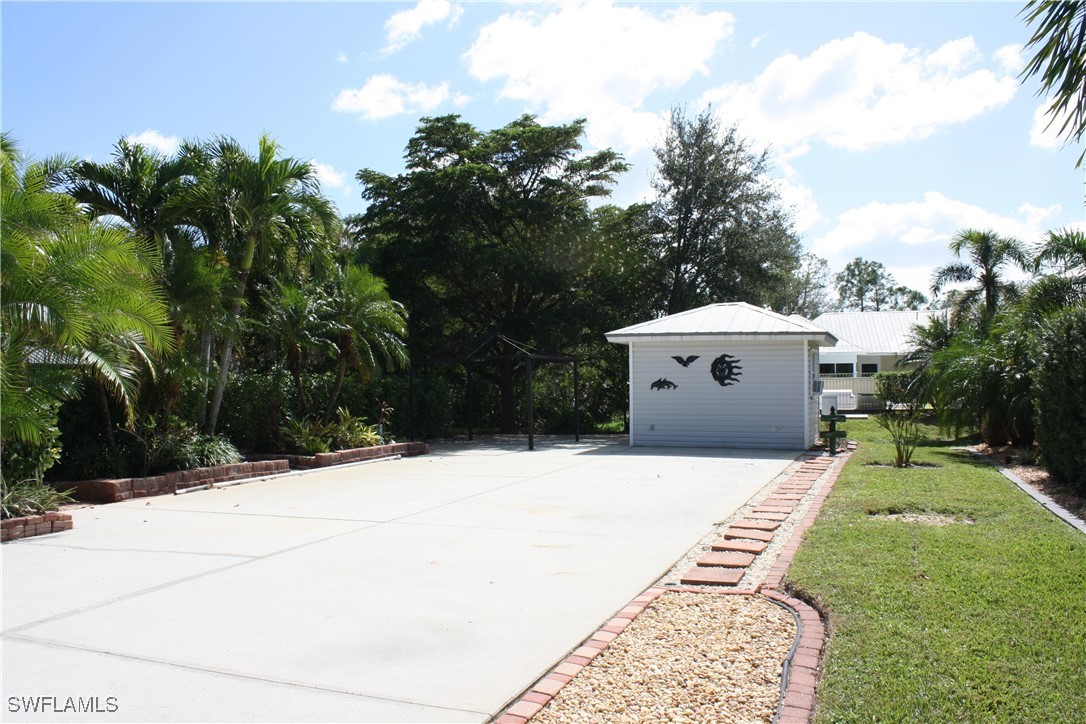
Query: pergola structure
[518, 351]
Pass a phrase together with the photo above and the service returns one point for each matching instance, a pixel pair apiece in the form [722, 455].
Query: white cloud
[623, 55]
[151, 138]
[1010, 58]
[932, 221]
[900, 234]
[330, 178]
[406, 26]
[1043, 134]
[897, 234]
[755, 42]
[800, 200]
[341, 57]
[384, 96]
[861, 92]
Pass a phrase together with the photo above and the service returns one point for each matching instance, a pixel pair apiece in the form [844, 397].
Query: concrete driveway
[424, 589]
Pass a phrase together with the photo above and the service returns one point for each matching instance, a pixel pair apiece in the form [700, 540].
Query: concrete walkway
[424, 589]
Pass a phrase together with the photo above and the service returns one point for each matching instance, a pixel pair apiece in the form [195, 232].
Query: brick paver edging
[800, 667]
[32, 525]
[542, 691]
[801, 670]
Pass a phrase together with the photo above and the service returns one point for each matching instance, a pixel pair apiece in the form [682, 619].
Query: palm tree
[270, 211]
[76, 297]
[371, 327]
[142, 190]
[297, 319]
[1059, 41]
[987, 253]
[1063, 254]
[139, 187]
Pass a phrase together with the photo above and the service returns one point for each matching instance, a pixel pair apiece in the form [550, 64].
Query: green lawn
[963, 622]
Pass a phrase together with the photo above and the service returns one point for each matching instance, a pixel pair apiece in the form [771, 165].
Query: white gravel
[689, 657]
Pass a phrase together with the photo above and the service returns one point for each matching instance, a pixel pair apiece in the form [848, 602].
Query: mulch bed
[1019, 462]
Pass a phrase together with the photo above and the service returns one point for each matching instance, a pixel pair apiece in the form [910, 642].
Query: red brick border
[801, 669]
[801, 673]
[323, 460]
[32, 525]
[114, 490]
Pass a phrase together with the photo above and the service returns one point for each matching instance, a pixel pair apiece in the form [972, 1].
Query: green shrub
[350, 432]
[31, 497]
[21, 461]
[1060, 384]
[205, 451]
[306, 436]
[893, 388]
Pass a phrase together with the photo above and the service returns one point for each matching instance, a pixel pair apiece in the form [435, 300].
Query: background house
[868, 342]
[724, 375]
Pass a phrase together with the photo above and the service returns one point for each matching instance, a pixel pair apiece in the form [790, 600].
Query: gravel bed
[689, 657]
[757, 571]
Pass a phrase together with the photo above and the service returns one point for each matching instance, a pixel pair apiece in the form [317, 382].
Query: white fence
[862, 387]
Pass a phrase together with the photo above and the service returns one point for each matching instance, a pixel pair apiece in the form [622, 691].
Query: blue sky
[892, 125]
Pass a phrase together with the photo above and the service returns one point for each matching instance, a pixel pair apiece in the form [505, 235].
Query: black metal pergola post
[522, 351]
[531, 409]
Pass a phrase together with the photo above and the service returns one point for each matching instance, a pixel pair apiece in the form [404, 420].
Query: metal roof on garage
[729, 320]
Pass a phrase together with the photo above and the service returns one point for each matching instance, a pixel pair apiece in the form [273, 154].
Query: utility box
[828, 401]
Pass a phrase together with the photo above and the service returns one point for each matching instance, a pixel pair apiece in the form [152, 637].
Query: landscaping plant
[31, 497]
[1061, 397]
[904, 432]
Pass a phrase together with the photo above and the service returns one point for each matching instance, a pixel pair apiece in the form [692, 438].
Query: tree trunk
[107, 418]
[296, 373]
[207, 343]
[228, 344]
[220, 386]
[341, 373]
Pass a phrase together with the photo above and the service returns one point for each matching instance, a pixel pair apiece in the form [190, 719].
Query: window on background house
[840, 369]
[867, 369]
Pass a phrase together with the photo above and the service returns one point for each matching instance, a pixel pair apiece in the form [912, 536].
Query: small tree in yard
[904, 432]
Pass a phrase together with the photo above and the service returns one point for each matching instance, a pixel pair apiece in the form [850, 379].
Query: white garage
[724, 375]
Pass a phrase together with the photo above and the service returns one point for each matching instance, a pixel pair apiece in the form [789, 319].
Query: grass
[943, 623]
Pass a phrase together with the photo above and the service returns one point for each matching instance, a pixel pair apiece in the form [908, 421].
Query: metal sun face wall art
[725, 370]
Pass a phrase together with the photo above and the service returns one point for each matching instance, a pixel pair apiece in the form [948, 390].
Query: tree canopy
[721, 232]
[489, 231]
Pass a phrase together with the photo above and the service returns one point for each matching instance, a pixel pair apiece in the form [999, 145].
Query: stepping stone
[769, 516]
[789, 489]
[785, 496]
[726, 559]
[782, 509]
[700, 576]
[756, 524]
[762, 535]
[740, 546]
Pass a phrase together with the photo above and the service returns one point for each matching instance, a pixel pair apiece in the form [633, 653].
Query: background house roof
[730, 320]
[874, 333]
